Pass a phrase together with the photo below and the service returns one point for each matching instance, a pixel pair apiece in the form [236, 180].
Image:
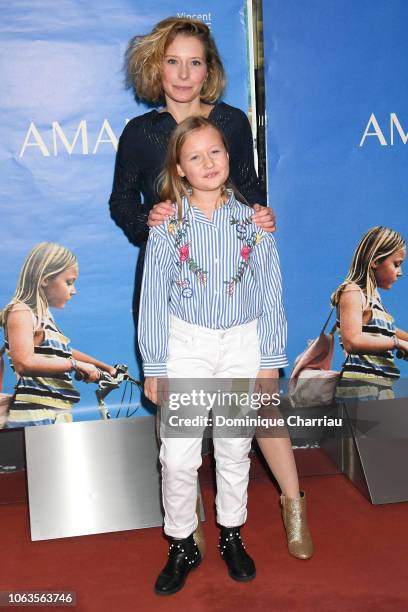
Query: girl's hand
[160, 213]
[264, 218]
[156, 389]
[403, 347]
[110, 370]
[88, 371]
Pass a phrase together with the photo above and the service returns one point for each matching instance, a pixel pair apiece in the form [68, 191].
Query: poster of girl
[367, 331]
[39, 353]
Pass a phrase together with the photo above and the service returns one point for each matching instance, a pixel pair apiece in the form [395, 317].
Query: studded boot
[240, 565]
[199, 536]
[184, 556]
[300, 543]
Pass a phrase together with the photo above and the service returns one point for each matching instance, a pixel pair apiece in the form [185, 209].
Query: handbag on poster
[6, 399]
[312, 381]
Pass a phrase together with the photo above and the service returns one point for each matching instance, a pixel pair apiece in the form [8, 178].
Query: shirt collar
[231, 203]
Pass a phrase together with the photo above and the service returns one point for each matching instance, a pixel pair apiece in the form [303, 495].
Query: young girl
[367, 330]
[39, 352]
[210, 308]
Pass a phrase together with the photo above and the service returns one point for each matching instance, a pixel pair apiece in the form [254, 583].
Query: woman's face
[59, 289]
[184, 69]
[389, 270]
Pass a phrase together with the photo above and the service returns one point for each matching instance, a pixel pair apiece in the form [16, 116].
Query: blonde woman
[39, 352]
[367, 331]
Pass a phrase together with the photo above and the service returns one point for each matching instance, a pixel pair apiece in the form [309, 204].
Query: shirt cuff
[270, 362]
[155, 369]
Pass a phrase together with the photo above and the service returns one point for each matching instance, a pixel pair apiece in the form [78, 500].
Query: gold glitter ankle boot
[300, 543]
[198, 535]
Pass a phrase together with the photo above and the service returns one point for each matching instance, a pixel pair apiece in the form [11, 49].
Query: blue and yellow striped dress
[369, 377]
[44, 400]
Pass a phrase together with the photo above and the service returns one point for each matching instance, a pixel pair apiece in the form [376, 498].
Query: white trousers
[198, 352]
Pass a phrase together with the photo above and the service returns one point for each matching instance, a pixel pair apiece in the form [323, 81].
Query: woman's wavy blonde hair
[170, 185]
[46, 260]
[145, 54]
[375, 246]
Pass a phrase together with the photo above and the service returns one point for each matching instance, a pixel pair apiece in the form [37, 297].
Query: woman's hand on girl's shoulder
[264, 217]
[160, 213]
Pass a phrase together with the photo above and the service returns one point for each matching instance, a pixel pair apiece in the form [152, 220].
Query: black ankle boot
[183, 557]
[239, 563]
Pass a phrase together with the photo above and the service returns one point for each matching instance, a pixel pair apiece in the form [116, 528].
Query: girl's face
[389, 270]
[59, 289]
[183, 69]
[204, 160]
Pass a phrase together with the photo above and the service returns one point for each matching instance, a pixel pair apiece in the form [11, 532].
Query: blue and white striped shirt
[215, 273]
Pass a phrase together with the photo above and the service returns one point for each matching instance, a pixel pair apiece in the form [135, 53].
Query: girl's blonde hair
[172, 186]
[375, 246]
[46, 260]
[145, 54]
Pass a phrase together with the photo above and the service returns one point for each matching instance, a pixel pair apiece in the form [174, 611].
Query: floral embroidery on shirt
[178, 228]
[241, 226]
[193, 266]
[199, 273]
[172, 226]
[246, 250]
[184, 285]
[184, 251]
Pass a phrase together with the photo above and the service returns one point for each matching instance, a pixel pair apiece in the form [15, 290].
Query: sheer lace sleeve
[125, 202]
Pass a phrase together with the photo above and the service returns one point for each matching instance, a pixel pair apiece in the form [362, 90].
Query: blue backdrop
[63, 106]
[337, 123]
